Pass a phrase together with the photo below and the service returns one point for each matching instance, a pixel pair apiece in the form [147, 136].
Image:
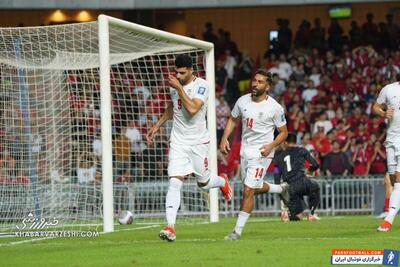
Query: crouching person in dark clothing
[290, 161]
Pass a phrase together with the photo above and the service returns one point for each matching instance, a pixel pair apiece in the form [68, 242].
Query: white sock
[173, 200]
[274, 188]
[215, 181]
[394, 203]
[241, 221]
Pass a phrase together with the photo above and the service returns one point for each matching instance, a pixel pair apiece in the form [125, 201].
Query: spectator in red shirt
[361, 133]
[321, 142]
[357, 118]
[341, 133]
[378, 159]
[360, 159]
[300, 123]
[306, 141]
[374, 125]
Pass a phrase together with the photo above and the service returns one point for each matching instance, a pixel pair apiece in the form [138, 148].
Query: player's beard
[257, 92]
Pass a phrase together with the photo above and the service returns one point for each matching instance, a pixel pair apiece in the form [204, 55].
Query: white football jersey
[189, 130]
[390, 95]
[259, 120]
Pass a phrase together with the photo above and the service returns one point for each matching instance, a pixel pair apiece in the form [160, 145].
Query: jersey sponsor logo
[201, 90]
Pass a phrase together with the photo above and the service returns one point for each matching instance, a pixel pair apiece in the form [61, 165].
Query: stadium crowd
[327, 81]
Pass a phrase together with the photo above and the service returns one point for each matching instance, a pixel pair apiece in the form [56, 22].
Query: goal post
[104, 22]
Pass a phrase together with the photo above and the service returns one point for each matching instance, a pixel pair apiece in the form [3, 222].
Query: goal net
[76, 102]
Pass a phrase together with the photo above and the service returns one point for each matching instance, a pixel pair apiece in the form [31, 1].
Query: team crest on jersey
[201, 90]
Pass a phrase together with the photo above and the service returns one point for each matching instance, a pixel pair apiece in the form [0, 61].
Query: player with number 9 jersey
[189, 142]
[187, 129]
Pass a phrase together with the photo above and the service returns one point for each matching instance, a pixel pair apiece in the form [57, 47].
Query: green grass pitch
[265, 242]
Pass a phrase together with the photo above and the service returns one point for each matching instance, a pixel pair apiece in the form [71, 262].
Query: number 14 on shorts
[259, 173]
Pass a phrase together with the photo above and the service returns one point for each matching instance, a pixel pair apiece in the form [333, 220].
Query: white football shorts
[185, 159]
[254, 167]
[393, 157]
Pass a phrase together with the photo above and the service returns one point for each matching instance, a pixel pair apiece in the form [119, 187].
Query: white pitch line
[24, 241]
[133, 229]
[44, 238]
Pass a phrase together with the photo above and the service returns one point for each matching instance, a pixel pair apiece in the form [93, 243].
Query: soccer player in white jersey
[189, 142]
[260, 115]
[388, 105]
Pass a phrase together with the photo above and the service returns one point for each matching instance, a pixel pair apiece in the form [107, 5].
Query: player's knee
[203, 180]
[202, 185]
[248, 192]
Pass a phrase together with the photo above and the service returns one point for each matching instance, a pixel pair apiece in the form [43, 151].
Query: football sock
[394, 204]
[274, 188]
[386, 209]
[215, 181]
[241, 221]
[173, 200]
[314, 198]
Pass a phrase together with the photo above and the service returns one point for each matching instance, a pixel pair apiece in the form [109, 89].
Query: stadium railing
[339, 195]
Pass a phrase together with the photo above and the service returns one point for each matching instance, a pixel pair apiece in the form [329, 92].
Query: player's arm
[280, 123]
[314, 163]
[379, 106]
[283, 133]
[380, 110]
[192, 106]
[167, 115]
[230, 125]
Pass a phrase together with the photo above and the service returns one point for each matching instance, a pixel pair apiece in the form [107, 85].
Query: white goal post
[104, 51]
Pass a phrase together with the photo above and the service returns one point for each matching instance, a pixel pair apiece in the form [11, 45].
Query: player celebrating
[189, 142]
[388, 105]
[290, 161]
[260, 115]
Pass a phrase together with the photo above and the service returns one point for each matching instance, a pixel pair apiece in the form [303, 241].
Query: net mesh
[50, 150]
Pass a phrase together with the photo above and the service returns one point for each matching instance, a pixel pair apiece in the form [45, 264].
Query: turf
[265, 242]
